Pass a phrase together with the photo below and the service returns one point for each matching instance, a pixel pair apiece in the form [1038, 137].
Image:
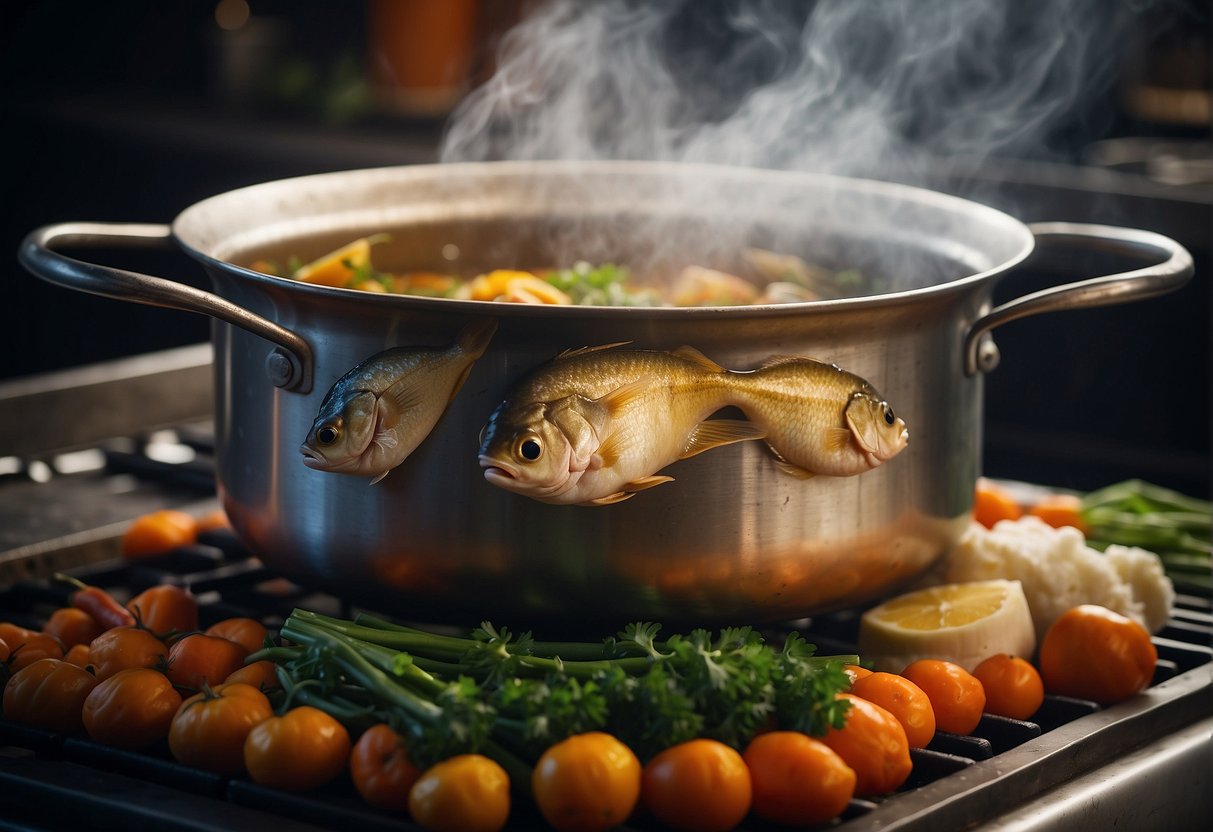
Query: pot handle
[1174, 270]
[289, 365]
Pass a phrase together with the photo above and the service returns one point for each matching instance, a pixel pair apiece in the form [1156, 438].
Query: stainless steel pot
[732, 538]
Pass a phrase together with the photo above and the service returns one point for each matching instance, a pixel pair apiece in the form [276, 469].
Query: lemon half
[962, 623]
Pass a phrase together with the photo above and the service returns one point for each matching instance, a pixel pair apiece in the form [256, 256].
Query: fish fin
[381, 476]
[645, 483]
[610, 499]
[776, 360]
[609, 451]
[463, 376]
[689, 353]
[475, 336]
[837, 438]
[716, 432]
[405, 394]
[625, 394]
[795, 470]
[587, 350]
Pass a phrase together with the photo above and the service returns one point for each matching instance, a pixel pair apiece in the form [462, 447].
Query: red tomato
[48, 694]
[701, 785]
[200, 659]
[797, 780]
[300, 750]
[873, 743]
[381, 769]
[587, 783]
[1091, 652]
[131, 709]
[210, 728]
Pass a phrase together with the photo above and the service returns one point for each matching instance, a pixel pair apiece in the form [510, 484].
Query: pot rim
[893, 191]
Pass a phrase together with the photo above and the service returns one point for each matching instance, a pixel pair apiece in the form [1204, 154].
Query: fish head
[878, 431]
[341, 432]
[536, 449]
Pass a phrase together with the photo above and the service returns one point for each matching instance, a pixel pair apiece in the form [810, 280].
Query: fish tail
[475, 336]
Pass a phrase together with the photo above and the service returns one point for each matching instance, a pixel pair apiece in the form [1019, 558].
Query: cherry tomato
[200, 659]
[79, 655]
[873, 743]
[1012, 685]
[381, 769]
[300, 750]
[855, 672]
[48, 693]
[1091, 652]
[131, 709]
[124, 648]
[249, 633]
[209, 729]
[586, 783]
[956, 694]
[165, 609]
[28, 646]
[700, 785]
[465, 793]
[797, 780]
[159, 532]
[904, 700]
[262, 675]
[72, 626]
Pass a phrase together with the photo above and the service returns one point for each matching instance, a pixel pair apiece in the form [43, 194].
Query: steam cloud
[845, 86]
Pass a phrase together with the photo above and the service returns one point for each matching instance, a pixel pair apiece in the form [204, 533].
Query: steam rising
[845, 86]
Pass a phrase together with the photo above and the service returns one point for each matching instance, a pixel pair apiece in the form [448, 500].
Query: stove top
[1140, 764]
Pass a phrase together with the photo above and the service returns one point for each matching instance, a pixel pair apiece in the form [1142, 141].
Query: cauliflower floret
[1142, 570]
[1059, 571]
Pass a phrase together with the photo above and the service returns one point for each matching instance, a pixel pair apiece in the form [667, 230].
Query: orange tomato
[701, 785]
[72, 626]
[1013, 686]
[200, 659]
[249, 633]
[209, 729]
[262, 675]
[873, 743]
[855, 672]
[49, 694]
[79, 655]
[131, 709]
[1091, 652]
[302, 749]
[216, 519]
[586, 783]
[904, 700]
[956, 695]
[797, 780]
[465, 793]
[992, 502]
[159, 532]
[1060, 510]
[166, 609]
[124, 648]
[28, 646]
[381, 769]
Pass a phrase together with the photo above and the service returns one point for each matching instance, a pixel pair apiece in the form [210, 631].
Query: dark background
[119, 111]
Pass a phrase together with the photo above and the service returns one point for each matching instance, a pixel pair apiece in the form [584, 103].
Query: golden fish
[380, 411]
[596, 425]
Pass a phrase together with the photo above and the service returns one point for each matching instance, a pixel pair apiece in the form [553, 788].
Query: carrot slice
[992, 503]
[1060, 510]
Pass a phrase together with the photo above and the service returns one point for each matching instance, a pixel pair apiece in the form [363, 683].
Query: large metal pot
[733, 538]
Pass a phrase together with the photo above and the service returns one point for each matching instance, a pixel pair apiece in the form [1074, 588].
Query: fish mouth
[494, 470]
[311, 458]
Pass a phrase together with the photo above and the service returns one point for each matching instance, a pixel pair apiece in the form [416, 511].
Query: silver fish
[380, 411]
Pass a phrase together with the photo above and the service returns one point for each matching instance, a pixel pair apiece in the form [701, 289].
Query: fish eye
[530, 448]
[327, 435]
[889, 417]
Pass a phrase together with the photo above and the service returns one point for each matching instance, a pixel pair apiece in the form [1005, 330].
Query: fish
[379, 412]
[597, 425]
